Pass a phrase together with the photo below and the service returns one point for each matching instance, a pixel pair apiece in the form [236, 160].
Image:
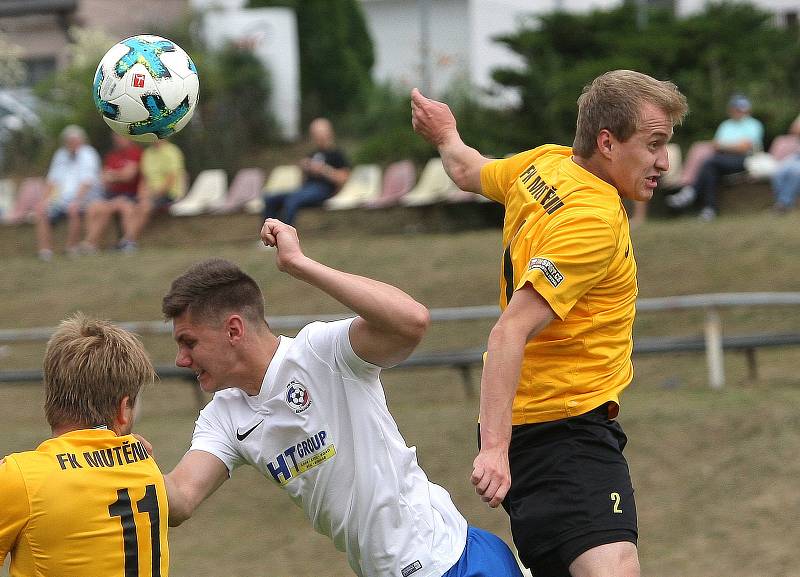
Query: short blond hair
[89, 367]
[613, 101]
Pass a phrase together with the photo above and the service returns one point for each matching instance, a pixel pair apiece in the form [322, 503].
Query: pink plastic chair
[246, 186]
[30, 192]
[398, 178]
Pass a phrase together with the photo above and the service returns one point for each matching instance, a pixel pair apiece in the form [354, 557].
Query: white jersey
[320, 428]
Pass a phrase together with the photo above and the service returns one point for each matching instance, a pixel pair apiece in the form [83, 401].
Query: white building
[433, 43]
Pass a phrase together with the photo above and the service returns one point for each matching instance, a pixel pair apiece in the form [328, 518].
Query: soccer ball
[146, 88]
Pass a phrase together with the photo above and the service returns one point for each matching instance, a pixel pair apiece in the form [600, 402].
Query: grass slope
[715, 471]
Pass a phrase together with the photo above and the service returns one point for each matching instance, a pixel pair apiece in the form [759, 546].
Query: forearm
[196, 476]
[382, 306]
[337, 176]
[526, 315]
[499, 382]
[462, 163]
[179, 508]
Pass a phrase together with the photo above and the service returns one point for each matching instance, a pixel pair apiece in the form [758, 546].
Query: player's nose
[183, 360]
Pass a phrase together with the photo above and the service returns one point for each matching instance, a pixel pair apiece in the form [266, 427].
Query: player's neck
[261, 356]
[65, 428]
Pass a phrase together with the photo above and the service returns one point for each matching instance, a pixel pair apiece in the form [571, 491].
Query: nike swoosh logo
[243, 436]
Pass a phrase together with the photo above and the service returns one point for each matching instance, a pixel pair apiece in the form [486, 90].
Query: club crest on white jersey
[297, 396]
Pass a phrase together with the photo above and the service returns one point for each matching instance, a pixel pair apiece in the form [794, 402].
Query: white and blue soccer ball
[146, 88]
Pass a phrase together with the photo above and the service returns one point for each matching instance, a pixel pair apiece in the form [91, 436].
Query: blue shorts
[486, 555]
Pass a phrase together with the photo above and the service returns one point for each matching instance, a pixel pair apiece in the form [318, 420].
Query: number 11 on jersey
[123, 509]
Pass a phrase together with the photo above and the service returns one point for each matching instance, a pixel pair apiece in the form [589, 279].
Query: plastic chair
[398, 178]
[6, 196]
[434, 185]
[246, 186]
[363, 185]
[283, 178]
[672, 178]
[30, 192]
[207, 192]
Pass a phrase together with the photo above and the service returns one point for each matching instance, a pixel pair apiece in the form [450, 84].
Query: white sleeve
[213, 433]
[56, 166]
[331, 343]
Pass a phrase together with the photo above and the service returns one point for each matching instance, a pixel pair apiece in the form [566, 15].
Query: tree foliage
[729, 47]
[336, 55]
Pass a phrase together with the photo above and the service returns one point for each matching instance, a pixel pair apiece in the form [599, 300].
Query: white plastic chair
[206, 193]
[363, 185]
[672, 178]
[433, 186]
[6, 197]
[283, 178]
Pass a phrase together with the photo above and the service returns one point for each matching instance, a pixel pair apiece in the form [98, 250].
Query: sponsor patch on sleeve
[550, 271]
[412, 568]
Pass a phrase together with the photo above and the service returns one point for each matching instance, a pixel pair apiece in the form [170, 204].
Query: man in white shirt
[309, 412]
[73, 182]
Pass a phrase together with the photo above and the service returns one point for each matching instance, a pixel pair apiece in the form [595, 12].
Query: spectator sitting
[786, 180]
[163, 181]
[325, 170]
[735, 139]
[73, 182]
[121, 184]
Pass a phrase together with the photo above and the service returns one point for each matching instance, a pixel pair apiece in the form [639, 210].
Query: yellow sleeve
[14, 506]
[498, 176]
[570, 258]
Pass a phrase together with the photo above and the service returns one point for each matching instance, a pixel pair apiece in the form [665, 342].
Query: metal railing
[710, 303]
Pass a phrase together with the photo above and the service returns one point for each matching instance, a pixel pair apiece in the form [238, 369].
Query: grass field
[715, 471]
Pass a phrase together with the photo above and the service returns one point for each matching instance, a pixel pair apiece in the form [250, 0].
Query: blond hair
[89, 367]
[613, 101]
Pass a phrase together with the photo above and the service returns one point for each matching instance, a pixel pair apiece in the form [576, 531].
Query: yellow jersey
[160, 163]
[566, 234]
[84, 504]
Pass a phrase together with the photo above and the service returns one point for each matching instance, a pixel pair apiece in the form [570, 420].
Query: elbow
[417, 323]
[177, 515]
[507, 334]
[460, 176]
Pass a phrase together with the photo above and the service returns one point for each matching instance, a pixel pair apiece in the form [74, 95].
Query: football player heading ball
[310, 414]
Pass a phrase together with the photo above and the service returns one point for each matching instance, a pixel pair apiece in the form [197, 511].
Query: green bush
[336, 57]
[729, 47]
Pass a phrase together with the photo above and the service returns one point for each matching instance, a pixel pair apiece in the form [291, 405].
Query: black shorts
[570, 490]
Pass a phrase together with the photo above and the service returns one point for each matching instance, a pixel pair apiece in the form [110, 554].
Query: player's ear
[234, 328]
[123, 420]
[605, 143]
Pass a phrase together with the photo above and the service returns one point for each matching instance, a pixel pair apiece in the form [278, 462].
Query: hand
[491, 475]
[147, 445]
[316, 167]
[432, 119]
[284, 238]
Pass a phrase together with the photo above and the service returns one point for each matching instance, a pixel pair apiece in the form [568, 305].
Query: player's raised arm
[436, 124]
[194, 478]
[390, 323]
